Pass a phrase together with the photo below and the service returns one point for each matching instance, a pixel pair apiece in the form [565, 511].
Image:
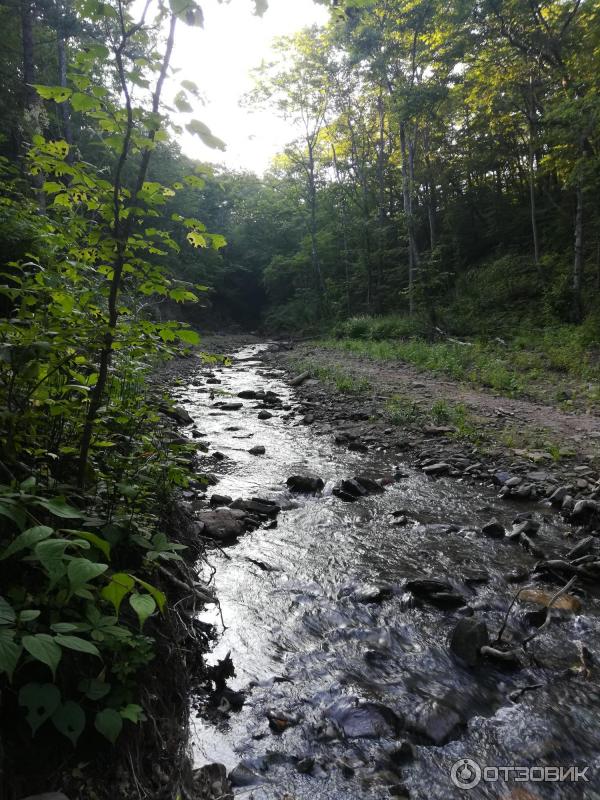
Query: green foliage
[86, 458]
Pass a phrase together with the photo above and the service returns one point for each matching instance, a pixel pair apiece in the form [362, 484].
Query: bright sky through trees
[219, 59]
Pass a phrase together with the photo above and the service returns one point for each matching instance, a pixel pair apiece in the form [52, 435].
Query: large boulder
[224, 525]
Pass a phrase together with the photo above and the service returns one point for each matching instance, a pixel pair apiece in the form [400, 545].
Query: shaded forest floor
[540, 432]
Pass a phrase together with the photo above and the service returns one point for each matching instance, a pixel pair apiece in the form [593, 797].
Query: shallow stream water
[324, 635]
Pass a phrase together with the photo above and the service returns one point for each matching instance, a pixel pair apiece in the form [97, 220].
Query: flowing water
[325, 637]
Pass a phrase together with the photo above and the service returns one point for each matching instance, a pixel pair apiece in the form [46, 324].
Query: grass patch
[546, 364]
[403, 411]
[339, 379]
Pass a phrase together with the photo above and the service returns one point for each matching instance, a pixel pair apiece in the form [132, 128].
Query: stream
[350, 688]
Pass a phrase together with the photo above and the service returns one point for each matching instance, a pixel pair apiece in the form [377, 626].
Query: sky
[218, 58]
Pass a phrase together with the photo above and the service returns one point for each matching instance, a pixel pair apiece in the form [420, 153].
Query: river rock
[229, 406]
[225, 524]
[305, 484]
[346, 497]
[566, 602]
[558, 495]
[180, 415]
[441, 468]
[494, 529]
[468, 637]
[299, 379]
[585, 510]
[353, 487]
[264, 414]
[220, 500]
[358, 447]
[257, 450]
[210, 782]
[437, 722]
[581, 548]
[257, 505]
[242, 775]
[248, 394]
[527, 526]
[435, 591]
[369, 484]
[365, 720]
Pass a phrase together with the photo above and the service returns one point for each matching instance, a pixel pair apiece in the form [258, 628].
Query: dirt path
[516, 424]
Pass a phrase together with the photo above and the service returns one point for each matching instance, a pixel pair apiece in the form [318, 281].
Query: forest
[438, 203]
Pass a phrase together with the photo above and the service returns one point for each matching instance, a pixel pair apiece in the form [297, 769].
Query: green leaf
[109, 723]
[26, 539]
[120, 585]
[189, 11]
[82, 570]
[143, 605]
[63, 627]
[93, 539]
[16, 515]
[83, 102]
[159, 596]
[78, 644]
[7, 612]
[69, 719]
[41, 701]
[188, 336]
[9, 652]
[133, 713]
[94, 689]
[57, 93]
[218, 241]
[182, 103]
[202, 130]
[43, 648]
[191, 87]
[196, 239]
[29, 615]
[60, 508]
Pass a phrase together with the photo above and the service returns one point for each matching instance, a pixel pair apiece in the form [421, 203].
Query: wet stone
[210, 781]
[468, 637]
[264, 414]
[220, 500]
[257, 450]
[435, 591]
[365, 720]
[441, 468]
[225, 525]
[305, 484]
[437, 722]
[493, 529]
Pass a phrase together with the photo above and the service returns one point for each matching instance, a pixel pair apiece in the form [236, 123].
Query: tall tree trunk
[413, 256]
[65, 108]
[532, 206]
[312, 203]
[29, 93]
[578, 255]
[380, 199]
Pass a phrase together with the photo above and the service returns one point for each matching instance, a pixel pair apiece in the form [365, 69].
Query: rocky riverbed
[393, 604]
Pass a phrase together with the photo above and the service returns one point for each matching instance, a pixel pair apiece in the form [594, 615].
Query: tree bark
[578, 256]
[413, 256]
